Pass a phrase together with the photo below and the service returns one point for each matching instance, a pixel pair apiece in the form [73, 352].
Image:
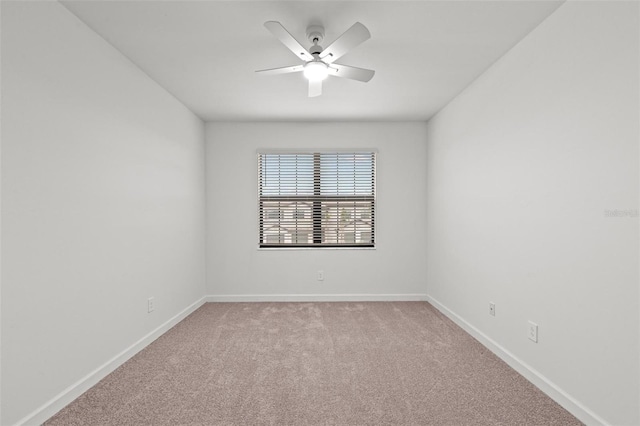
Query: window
[318, 199]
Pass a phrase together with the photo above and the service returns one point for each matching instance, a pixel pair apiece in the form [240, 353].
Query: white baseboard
[65, 397]
[316, 298]
[544, 384]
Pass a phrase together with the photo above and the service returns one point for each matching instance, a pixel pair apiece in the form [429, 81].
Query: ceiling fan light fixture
[316, 71]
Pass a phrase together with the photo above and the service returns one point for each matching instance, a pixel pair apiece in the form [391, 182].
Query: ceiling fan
[318, 62]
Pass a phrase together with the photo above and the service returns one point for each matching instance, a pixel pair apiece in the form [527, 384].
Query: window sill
[312, 248]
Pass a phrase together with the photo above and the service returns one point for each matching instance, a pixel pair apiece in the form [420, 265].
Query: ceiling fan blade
[347, 41]
[354, 73]
[315, 88]
[283, 70]
[287, 39]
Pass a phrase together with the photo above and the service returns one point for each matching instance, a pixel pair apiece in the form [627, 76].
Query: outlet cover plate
[532, 331]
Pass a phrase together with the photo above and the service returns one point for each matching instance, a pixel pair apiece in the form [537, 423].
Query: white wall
[102, 204]
[522, 167]
[235, 266]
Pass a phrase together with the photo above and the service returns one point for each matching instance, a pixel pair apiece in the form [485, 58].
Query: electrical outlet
[150, 304]
[532, 331]
[320, 275]
[492, 309]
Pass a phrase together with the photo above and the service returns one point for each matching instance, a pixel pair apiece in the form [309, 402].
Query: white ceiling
[205, 52]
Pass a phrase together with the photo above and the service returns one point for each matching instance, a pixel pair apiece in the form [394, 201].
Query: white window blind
[316, 199]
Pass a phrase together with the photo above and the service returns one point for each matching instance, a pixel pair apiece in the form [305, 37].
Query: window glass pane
[286, 174]
[346, 174]
[273, 214]
[301, 237]
[274, 238]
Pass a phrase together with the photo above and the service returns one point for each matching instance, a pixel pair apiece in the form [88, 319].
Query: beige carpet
[395, 363]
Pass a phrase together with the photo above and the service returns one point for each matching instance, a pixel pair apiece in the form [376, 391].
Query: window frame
[317, 209]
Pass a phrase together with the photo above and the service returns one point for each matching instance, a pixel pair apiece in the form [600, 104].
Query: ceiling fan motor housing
[316, 49]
